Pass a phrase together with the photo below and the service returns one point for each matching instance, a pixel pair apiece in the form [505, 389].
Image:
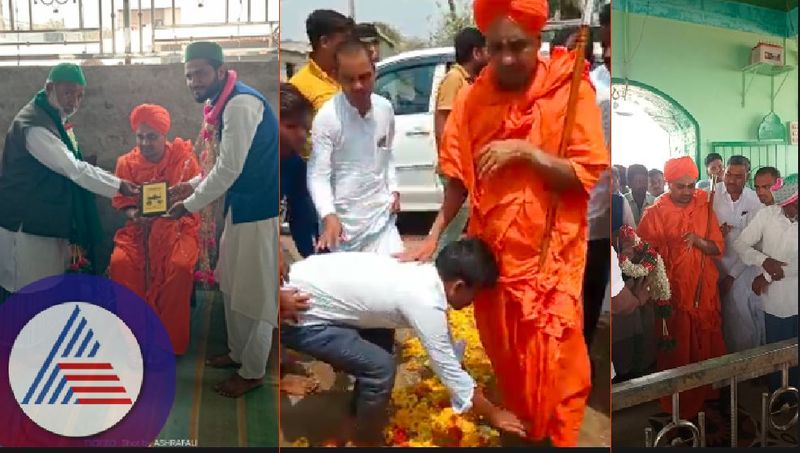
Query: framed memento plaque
[155, 199]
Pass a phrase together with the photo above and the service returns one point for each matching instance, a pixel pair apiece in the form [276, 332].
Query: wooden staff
[698, 291]
[569, 120]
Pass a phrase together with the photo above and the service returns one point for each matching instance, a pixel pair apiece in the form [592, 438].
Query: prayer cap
[785, 191]
[67, 72]
[205, 49]
[531, 15]
[152, 115]
[679, 167]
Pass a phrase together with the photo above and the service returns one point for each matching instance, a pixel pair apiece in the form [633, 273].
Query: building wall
[291, 59]
[699, 66]
[102, 124]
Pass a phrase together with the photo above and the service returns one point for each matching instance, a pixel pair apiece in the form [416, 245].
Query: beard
[53, 100]
[212, 91]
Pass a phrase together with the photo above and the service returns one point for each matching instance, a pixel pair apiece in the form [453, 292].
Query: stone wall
[102, 126]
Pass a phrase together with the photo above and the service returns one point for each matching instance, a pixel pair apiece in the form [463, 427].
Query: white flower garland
[659, 284]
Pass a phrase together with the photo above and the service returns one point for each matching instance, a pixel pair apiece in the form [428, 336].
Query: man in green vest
[48, 217]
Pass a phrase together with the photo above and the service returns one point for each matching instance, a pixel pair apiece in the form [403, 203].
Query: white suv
[409, 81]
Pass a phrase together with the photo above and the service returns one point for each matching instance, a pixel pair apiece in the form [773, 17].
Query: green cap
[205, 49]
[67, 72]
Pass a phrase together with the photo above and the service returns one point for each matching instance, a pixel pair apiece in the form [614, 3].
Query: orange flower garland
[422, 415]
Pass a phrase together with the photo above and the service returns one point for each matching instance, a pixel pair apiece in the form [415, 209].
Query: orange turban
[680, 167]
[531, 15]
[152, 115]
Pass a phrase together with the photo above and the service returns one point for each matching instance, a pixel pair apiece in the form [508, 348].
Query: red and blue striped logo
[73, 363]
[83, 362]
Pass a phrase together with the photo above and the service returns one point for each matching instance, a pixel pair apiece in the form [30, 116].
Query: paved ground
[317, 417]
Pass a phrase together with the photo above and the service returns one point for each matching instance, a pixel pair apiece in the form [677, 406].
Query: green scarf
[86, 229]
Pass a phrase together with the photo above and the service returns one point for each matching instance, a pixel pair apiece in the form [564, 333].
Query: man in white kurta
[742, 311]
[247, 268]
[245, 254]
[25, 257]
[351, 175]
[775, 228]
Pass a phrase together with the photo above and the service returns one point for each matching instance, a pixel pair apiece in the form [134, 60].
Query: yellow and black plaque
[154, 199]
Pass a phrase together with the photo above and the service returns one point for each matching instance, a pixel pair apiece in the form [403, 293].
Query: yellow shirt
[316, 86]
[455, 79]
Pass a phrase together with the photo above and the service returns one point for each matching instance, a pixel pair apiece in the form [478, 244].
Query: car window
[407, 88]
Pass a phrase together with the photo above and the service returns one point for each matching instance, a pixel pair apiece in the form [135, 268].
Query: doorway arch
[681, 130]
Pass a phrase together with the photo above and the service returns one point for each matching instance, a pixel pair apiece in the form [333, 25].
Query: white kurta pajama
[742, 309]
[777, 236]
[351, 173]
[26, 258]
[248, 260]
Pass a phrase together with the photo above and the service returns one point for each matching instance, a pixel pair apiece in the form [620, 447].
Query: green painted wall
[699, 66]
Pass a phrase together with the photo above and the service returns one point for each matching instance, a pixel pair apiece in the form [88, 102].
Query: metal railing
[727, 370]
[761, 153]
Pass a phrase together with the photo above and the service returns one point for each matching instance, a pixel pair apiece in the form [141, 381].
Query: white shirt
[599, 198]
[778, 236]
[51, 152]
[27, 258]
[736, 214]
[351, 170]
[601, 79]
[241, 118]
[368, 291]
[648, 201]
[627, 213]
[600, 208]
[617, 283]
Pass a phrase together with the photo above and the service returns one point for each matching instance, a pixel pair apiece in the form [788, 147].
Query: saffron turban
[680, 167]
[152, 115]
[786, 193]
[531, 15]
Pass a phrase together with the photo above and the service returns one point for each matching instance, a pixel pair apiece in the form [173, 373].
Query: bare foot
[222, 361]
[236, 386]
[293, 384]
